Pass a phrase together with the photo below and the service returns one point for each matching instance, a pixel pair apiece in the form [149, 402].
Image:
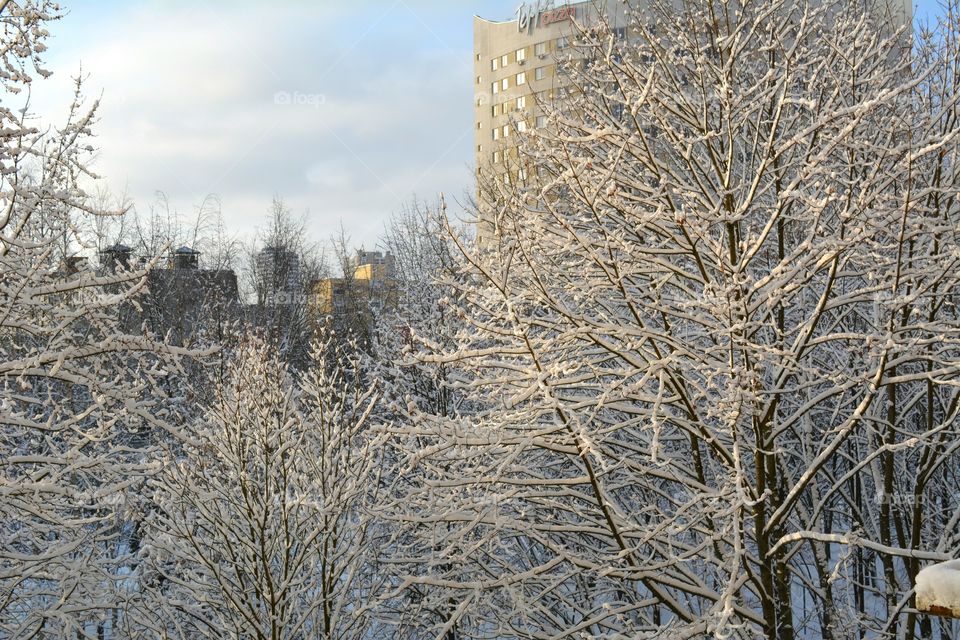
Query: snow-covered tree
[78, 386]
[259, 526]
[281, 266]
[715, 337]
[422, 243]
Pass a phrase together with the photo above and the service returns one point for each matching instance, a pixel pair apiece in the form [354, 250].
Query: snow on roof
[938, 588]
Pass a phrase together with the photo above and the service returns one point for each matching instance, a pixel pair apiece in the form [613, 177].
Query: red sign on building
[557, 15]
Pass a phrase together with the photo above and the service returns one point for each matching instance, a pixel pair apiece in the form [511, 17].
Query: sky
[348, 110]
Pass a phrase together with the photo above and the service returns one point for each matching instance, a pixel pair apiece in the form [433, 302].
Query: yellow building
[371, 289]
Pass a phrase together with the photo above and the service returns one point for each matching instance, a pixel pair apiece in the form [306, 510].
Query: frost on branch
[712, 339]
[78, 389]
[258, 524]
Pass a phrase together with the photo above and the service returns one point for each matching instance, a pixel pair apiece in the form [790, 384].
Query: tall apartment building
[279, 279]
[516, 69]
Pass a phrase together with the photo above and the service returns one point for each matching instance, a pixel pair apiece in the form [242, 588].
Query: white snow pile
[938, 588]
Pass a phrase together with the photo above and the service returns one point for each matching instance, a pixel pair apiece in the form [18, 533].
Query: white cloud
[189, 108]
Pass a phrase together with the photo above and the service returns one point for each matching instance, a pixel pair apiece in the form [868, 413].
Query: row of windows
[520, 126]
[520, 79]
[521, 102]
[503, 108]
[540, 50]
[504, 84]
[542, 121]
[520, 55]
[504, 131]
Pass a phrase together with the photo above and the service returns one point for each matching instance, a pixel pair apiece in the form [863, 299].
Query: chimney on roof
[116, 256]
[186, 258]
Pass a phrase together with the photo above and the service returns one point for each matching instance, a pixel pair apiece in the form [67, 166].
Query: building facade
[182, 302]
[279, 278]
[370, 289]
[516, 72]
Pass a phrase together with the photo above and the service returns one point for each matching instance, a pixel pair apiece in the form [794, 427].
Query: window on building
[521, 55]
[479, 125]
[620, 33]
[562, 43]
[479, 148]
[478, 57]
[495, 88]
[521, 126]
[521, 78]
[506, 131]
[495, 110]
[540, 73]
[479, 79]
[505, 84]
[494, 64]
[496, 157]
[496, 133]
[522, 102]
[541, 122]
[504, 60]
[540, 49]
